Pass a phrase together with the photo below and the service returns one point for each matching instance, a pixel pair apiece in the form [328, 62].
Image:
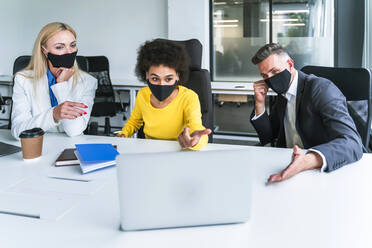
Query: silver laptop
[186, 188]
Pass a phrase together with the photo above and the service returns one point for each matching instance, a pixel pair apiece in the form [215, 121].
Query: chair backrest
[355, 84]
[21, 63]
[82, 62]
[199, 81]
[104, 102]
[195, 51]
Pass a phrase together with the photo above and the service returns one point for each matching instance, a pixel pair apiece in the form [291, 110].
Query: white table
[6, 91]
[6, 80]
[235, 88]
[309, 210]
[230, 88]
[132, 86]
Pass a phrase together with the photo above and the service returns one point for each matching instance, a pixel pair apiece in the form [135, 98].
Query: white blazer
[33, 108]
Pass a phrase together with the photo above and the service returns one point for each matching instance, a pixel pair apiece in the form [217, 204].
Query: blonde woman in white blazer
[51, 92]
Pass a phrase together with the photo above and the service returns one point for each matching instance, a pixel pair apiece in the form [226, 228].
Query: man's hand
[186, 140]
[260, 92]
[64, 74]
[68, 110]
[300, 162]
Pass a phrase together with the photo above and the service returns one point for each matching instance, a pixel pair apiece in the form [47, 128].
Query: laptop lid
[6, 149]
[186, 188]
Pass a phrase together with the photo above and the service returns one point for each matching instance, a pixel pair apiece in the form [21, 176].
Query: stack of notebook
[95, 156]
[67, 158]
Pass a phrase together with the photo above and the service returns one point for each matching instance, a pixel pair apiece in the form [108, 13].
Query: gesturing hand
[68, 110]
[300, 162]
[64, 74]
[186, 140]
[260, 92]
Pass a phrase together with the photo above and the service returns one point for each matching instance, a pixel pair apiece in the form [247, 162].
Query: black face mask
[161, 92]
[279, 82]
[65, 60]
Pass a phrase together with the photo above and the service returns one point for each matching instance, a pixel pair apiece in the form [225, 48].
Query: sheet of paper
[74, 172]
[52, 185]
[40, 207]
[10, 176]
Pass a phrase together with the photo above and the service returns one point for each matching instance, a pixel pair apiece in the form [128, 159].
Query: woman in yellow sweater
[169, 110]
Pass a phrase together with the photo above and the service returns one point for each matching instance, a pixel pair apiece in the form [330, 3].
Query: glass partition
[241, 27]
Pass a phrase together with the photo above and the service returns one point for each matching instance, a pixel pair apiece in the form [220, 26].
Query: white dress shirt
[292, 137]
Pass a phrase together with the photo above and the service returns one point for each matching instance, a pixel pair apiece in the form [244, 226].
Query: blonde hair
[39, 63]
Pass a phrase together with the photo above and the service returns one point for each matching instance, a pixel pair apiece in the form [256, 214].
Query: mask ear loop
[46, 55]
[178, 80]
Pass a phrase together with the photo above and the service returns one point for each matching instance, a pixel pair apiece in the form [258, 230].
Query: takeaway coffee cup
[32, 143]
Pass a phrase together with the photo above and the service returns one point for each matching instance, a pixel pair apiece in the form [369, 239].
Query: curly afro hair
[162, 52]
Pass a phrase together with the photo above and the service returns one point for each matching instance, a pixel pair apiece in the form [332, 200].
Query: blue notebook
[96, 153]
[89, 167]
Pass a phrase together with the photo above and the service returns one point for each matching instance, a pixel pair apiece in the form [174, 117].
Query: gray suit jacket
[322, 121]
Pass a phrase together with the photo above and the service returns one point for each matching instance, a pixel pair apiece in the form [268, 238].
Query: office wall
[189, 19]
[114, 28]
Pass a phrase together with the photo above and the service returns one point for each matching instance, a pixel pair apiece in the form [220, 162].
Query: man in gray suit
[310, 113]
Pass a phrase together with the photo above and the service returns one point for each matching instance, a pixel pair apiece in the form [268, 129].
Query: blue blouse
[51, 81]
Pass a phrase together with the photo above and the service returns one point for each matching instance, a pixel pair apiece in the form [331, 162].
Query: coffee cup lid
[32, 133]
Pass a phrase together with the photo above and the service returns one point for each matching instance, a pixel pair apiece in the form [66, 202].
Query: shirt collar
[50, 76]
[292, 91]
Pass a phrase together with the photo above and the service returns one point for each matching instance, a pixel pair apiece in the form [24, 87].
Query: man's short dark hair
[266, 51]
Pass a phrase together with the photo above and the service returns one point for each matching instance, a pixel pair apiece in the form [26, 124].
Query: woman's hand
[120, 135]
[64, 74]
[186, 140]
[68, 110]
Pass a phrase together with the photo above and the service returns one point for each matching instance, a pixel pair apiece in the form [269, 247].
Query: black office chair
[104, 102]
[19, 64]
[200, 82]
[356, 85]
[82, 62]
[22, 62]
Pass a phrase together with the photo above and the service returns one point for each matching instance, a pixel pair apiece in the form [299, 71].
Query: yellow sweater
[166, 123]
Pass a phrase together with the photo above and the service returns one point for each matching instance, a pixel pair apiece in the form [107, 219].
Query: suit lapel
[299, 94]
[43, 93]
[300, 90]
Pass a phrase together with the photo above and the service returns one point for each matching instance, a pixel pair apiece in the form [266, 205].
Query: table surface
[217, 87]
[6, 80]
[312, 209]
[235, 88]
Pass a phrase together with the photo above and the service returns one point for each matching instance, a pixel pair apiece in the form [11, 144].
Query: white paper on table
[33, 206]
[74, 172]
[50, 185]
